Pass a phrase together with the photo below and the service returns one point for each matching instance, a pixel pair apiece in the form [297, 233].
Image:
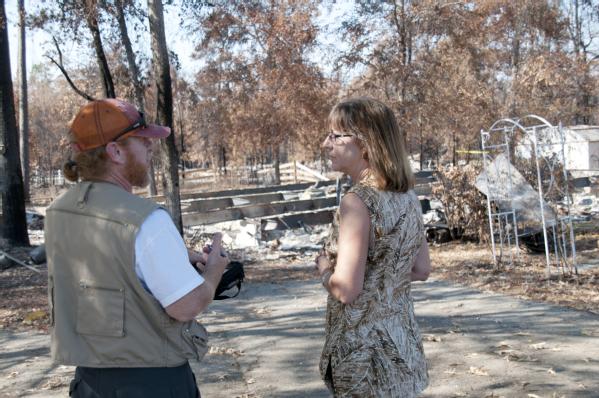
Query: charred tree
[13, 227]
[164, 111]
[23, 101]
[92, 24]
[134, 75]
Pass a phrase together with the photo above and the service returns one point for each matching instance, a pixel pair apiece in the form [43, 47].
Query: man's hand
[194, 302]
[215, 254]
[198, 260]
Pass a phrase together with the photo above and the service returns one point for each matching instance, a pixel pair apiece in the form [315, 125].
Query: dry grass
[472, 264]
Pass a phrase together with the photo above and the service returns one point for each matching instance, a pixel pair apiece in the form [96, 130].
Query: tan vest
[101, 316]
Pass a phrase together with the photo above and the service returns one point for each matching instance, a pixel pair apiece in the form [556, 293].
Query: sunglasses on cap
[141, 122]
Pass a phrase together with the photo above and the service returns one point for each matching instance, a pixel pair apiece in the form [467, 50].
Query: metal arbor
[526, 184]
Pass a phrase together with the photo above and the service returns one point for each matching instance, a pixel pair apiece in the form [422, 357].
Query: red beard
[137, 172]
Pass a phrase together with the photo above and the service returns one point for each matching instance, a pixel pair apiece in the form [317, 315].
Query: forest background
[260, 76]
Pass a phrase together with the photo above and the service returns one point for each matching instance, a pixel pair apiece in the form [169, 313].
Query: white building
[582, 150]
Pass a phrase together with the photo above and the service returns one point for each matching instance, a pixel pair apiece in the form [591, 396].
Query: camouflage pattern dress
[373, 346]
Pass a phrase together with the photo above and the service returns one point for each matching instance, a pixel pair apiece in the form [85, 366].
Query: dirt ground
[472, 265]
[23, 294]
[266, 342]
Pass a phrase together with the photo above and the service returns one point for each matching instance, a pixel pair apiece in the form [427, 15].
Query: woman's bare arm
[346, 283]
[422, 264]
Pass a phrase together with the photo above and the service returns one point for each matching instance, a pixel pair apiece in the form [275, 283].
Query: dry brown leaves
[465, 207]
[472, 264]
[23, 296]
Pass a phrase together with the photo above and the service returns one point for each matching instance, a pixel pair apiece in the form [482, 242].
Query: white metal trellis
[535, 137]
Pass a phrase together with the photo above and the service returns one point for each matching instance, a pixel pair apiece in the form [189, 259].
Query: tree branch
[65, 73]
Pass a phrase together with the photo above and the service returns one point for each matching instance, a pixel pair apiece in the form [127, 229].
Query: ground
[472, 264]
[23, 294]
[488, 332]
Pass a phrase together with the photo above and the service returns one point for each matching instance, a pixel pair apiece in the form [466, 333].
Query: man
[122, 294]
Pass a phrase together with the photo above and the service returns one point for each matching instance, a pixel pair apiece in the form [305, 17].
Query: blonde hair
[375, 125]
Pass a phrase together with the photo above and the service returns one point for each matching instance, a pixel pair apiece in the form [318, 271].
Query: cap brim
[152, 131]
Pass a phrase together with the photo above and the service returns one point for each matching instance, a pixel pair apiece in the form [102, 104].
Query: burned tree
[14, 224]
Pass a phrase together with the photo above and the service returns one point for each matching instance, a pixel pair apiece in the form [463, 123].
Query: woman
[376, 247]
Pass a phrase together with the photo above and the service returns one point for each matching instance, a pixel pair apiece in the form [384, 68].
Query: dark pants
[176, 382]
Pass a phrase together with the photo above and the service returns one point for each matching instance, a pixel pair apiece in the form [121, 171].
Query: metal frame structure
[545, 143]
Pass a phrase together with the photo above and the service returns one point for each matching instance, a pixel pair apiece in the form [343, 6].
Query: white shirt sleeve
[161, 260]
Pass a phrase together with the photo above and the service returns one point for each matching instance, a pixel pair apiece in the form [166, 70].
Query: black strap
[224, 297]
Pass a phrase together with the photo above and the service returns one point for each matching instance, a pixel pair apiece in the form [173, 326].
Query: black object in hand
[232, 277]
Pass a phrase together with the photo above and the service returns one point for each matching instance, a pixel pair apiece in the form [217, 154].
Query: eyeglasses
[334, 136]
[141, 122]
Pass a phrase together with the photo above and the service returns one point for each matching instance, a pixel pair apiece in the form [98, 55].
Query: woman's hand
[322, 263]
[323, 266]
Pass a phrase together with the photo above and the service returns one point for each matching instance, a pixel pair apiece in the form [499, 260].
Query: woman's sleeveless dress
[373, 347]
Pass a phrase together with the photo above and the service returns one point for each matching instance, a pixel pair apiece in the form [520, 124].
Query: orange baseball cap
[102, 121]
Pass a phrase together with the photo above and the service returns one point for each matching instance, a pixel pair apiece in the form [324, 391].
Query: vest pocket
[100, 310]
[195, 340]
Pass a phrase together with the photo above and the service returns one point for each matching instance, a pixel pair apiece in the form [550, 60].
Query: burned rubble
[286, 218]
[273, 221]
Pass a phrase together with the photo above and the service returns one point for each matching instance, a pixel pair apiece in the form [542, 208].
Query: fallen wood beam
[202, 205]
[423, 190]
[207, 204]
[258, 198]
[314, 173]
[295, 220]
[19, 262]
[257, 210]
[247, 191]
[305, 218]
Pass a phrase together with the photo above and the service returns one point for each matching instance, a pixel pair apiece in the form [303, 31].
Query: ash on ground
[242, 239]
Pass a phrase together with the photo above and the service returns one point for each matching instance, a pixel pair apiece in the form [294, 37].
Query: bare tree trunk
[421, 149]
[23, 101]
[454, 156]
[583, 95]
[13, 227]
[577, 28]
[164, 111]
[277, 164]
[92, 23]
[420, 133]
[135, 78]
[133, 69]
[515, 65]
